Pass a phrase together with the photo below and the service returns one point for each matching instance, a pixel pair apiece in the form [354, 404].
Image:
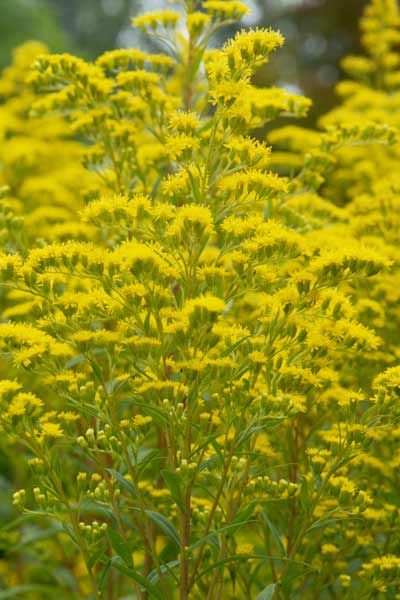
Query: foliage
[23, 20]
[200, 391]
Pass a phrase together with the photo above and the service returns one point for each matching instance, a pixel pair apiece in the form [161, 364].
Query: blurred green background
[318, 33]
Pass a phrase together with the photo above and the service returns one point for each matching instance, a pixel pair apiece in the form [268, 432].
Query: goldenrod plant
[42, 180]
[358, 186]
[196, 401]
[40, 165]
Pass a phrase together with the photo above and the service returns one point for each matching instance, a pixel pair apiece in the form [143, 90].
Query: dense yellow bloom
[199, 351]
[51, 430]
[251, 47]
[153, 20]
[21, 403]
[227, 9]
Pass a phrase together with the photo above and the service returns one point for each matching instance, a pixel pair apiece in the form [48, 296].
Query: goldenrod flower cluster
[199, 378]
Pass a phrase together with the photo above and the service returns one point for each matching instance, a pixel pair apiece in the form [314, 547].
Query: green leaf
[104, 576]
[37, 535]
[70, 531]
[173, 482]
[15, 523]
[212, 536]
[217, 448]
[95, 557]
[145, 457]
[120, 546]
[196, 63]
[146, 324]
[168, 567]
[327, 521]
[234, 346]
[247, 433]
[88, 506]
[165, 525]
[20, 590]
[274, 532]
[243, 518]
[117, 563]
[96, 370]
[267, 593]
[209, 463]
[230, 559]
[212, 439]
[125, 484]
[79, 358]
[304, 496]
[323, 523]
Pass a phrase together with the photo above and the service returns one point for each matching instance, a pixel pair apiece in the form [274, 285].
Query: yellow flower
[141, 420]
[151, 21]
[245, 548]
[51, 430]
